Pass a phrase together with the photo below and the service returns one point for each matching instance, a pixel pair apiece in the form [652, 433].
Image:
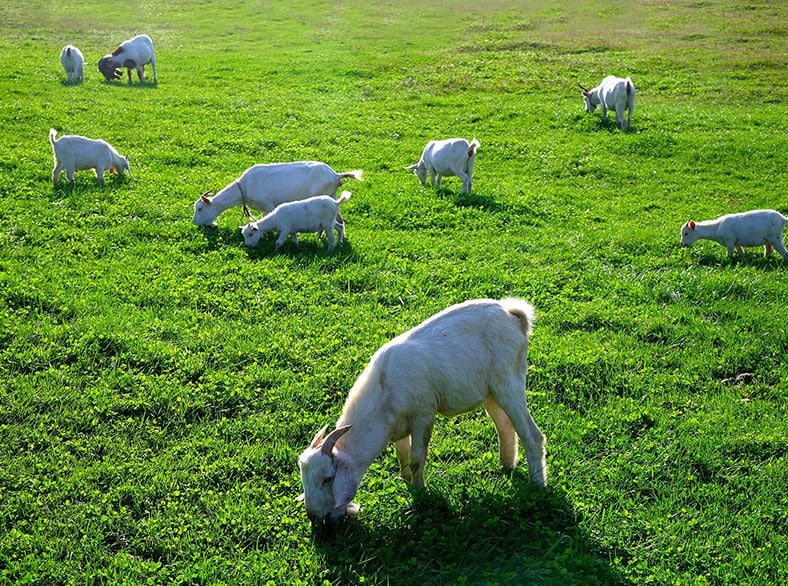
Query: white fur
[76, 153]
[132, 54]
[316, 214]
[470, 354]
[614, 93]
[733, 231]
[454, 157]
[73, 62]
[263, 187]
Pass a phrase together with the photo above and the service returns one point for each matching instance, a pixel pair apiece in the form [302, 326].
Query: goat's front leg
[403, 456]
[420, 434]
[283, 237]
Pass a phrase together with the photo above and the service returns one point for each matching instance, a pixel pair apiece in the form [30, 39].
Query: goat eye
[328, 480]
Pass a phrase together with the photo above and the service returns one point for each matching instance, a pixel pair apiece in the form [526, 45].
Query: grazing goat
[263, 187]
[73, 62]
[316, 214]
[132, 54]
[614, 93]
[733, 231]
[469, 354]
[76, 153]
[454, 157]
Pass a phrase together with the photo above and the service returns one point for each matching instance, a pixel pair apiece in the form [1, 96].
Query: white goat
[733, 231]
[73, 62]
[263, 187]
[454, 157]
[614, 93]
[316, 214]
[132, 54]
[469, 354]
[76, 153]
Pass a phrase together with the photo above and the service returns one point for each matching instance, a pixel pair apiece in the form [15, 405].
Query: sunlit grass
[159, 380]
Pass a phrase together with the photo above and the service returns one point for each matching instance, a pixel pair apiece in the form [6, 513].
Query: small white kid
[77, 153]
[316, 214]
[73, 62]
[733, 231]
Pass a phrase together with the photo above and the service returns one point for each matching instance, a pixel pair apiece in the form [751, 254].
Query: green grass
[158, 381]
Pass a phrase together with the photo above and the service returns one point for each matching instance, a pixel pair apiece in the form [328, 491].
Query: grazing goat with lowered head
[470, 354]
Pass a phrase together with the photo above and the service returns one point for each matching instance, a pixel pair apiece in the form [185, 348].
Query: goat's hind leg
[512, 400]
[507, 437]
[56, 172]
[779, 246]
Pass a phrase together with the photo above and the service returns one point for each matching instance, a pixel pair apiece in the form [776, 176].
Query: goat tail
[357, 175]
[522, 310]
[475, 144]
[52, 134]
[630, 87]
[343, 198]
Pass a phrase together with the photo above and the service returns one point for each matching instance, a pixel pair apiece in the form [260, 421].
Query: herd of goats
[470, 354]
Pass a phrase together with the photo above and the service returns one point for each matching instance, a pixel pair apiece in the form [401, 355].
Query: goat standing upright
[73, 62]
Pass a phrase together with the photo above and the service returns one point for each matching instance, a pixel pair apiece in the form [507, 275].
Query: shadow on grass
[135, 84]
[516, 536]
[86, 182]
[757, 260]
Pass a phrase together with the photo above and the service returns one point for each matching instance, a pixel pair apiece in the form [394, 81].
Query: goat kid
[316, 214]
[469, 354]
[76, 153]
[614, 93]
[734, 231]
[265, 186]
[73, 62]
[454, 157]
[132, 54]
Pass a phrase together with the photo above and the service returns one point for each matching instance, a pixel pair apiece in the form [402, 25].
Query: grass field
[158, 380]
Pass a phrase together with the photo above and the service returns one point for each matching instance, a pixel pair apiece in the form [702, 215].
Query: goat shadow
[67, 83]
[527, 207]
[136, 83]
[309, 250]
[751, 258]
[526, 536]
[86, 182]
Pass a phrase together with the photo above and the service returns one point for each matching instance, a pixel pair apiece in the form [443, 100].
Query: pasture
[158, 380]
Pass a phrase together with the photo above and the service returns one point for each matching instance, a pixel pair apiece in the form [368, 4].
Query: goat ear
[331, 439]
[254, 228]
[691, 225]
[411, 167]
[318, 437]
[345, 486]
[204, 197]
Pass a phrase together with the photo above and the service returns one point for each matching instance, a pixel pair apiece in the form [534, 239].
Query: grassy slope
[160, 380]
